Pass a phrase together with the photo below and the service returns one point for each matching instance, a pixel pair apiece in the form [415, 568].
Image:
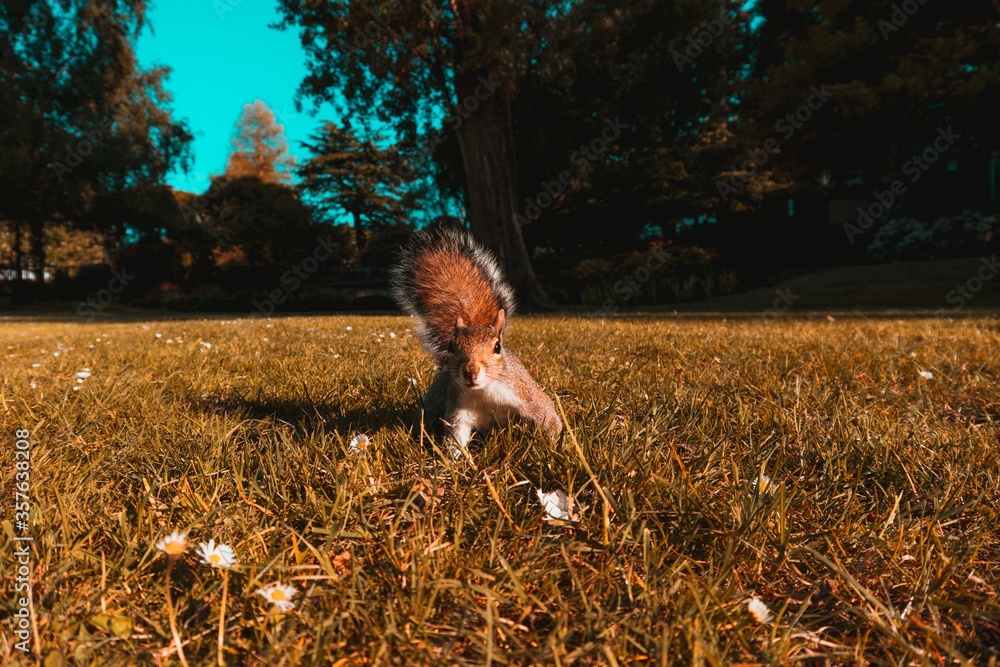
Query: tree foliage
[260, 148]
[403, 64]
[638, 74]
[897, 72]
[266, 222]
[562, 133]
[354, 177]
[81, 119]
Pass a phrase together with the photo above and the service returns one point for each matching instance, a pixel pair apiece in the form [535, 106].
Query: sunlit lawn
[875, 540]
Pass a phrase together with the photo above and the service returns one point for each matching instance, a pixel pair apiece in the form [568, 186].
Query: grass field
[876, 540]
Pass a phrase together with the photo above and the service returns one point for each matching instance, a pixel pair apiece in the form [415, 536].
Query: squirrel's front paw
[458, 452]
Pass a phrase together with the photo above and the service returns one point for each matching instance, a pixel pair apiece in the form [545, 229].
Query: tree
[896, 72]
[405, 61]
[266, 221]
[81, 120]
[260, 147]
[637, 127]
[354, 177]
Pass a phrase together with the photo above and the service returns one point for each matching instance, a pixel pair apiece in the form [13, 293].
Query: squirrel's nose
[471, 371]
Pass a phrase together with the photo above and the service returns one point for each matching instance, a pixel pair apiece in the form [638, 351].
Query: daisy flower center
[175, 548]
[215, 558]
[278, 595]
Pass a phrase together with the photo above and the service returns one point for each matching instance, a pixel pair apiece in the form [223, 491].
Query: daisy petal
[760, 611]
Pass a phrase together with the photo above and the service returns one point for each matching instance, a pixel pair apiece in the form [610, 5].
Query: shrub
[627, 281]
[908, 239]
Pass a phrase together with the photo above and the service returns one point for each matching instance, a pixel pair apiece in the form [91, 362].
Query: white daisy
[927, 375]
[279, 595]
[206, 345]
[221, 556]
[763, 484]
[759, 610]
[360, 443]
[173, 544]
[413, 381]
[159, 335]
[557, 505]
[82, 375]
[350, 328]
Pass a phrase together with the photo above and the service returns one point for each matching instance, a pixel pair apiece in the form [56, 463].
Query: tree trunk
[359, 232]
[486, 141]
[18, 252]
[38, 249]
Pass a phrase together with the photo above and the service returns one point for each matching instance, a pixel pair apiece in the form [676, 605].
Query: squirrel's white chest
[481, 409]
[495, 399]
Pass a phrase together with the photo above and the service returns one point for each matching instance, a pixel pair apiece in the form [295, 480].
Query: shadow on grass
[309, 414]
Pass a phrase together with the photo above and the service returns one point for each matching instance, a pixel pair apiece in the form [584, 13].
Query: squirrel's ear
[499, 322]
[460, 323]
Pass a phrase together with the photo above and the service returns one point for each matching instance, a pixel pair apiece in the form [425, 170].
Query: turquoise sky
[223, 55]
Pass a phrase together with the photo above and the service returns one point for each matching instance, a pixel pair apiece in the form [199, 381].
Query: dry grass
[876, 541]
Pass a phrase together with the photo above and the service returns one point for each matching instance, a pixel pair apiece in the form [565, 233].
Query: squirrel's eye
[496, 348]
[451, 346]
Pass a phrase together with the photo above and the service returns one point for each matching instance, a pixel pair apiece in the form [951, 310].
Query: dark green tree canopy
[403, 64]
[349, 176]
[896, 75]
[266, 221]
[81, 119]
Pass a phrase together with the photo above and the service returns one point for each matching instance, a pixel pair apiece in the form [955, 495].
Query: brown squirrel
[455, 289]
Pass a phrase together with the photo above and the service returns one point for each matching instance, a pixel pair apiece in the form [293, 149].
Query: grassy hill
[929, 285]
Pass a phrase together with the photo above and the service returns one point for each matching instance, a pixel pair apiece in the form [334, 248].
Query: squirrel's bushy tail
[444, 276]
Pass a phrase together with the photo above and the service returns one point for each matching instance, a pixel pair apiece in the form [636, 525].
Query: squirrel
[457, 292]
